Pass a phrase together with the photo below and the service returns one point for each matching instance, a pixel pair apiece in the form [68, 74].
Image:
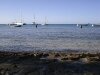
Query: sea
[57, 37]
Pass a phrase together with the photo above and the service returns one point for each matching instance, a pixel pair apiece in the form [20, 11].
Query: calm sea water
[49, 37]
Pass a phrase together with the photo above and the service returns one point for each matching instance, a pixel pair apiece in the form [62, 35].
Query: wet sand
[49, 63]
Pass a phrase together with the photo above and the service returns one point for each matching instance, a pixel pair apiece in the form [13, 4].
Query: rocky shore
[49, 63]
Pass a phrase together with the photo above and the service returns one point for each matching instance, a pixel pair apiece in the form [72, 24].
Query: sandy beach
[49, 63]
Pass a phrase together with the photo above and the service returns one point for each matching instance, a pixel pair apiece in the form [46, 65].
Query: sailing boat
[77, 25]
[45, 21]
[17, 24]
[34, 23]
[92, 25]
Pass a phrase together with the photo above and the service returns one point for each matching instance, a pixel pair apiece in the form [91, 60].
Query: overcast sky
[56, 11]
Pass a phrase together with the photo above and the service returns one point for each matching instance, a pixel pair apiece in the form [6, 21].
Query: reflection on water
[49, 37]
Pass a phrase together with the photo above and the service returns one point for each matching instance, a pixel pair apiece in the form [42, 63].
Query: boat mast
[21, 17]
[45, 21]
[77, 25]
[34, 20]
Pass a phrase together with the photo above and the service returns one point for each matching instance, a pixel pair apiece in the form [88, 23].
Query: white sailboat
[77, 25]
[45, 21]
[16, 24]
[92, 25]
[34, 23]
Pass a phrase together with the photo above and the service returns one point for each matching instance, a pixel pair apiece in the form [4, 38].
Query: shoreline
[49, 63]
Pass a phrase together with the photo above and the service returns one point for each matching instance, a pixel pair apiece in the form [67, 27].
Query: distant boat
[24, 24]
[16, 24]
[45, 21]
[77, 25]
[92, 25]
[34, 23]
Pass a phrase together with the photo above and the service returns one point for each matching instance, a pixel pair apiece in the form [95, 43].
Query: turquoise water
[49, 37]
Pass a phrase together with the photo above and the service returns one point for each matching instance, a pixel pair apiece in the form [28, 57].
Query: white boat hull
[17, 24]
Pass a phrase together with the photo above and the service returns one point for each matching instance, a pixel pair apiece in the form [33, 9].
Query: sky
[55, 11]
